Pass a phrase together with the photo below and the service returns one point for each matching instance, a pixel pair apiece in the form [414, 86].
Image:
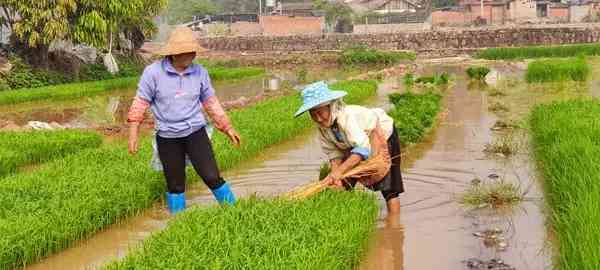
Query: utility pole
[259, 7]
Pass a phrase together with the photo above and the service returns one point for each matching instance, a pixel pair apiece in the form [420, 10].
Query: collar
[168, 67]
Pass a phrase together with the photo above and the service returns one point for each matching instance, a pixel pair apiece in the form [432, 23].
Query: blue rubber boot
[224, 194]
[175, 202]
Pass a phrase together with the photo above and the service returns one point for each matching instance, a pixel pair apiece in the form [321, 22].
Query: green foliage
[365, 56]
[409, 80]
[328, 231]
[414, 114]
[324, 170]
[23, 76]
[27, 148]
[437, 79]
[65, 91]
[565, 142]
[539, 52]
[182, 11]
[553, 70]
[221, 73]
[477, 72]
[68, 199]
[334, 10]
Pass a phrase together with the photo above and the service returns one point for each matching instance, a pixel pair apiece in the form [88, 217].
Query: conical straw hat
[180, 41]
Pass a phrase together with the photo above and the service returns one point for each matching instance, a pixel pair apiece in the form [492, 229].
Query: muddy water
[432, 232]
[111, 108]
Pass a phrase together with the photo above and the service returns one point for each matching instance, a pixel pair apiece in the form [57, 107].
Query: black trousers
[197, 146]
[391, 185]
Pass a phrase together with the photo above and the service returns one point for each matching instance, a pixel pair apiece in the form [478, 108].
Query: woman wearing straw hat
[176, 90]
[345, 132]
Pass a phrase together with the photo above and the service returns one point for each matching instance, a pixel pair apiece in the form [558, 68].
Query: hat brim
[332, 96]
[179, 49]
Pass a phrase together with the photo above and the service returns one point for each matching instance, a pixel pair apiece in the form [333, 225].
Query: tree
[38, 23]
[181, 11]
[334, 10]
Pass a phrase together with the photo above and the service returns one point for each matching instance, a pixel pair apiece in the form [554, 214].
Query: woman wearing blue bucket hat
[344, 133]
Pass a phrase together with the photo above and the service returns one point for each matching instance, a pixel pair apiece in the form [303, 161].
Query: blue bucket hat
[316, 94]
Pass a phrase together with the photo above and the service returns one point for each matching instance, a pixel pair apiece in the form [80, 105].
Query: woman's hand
[334, 178]
[133, 138]
[234, 137]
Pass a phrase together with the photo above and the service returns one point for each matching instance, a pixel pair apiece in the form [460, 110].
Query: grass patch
[505, 145]
[78, 90]
[27, 148]
[491, 194]
[69, 199]
[496, 92]
[328, 231]
[555, 70]
[565, 140]
[539, 52]
[366, 56]
[414, 114]
[477, 73]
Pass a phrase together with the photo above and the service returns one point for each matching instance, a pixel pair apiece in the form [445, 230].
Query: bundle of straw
[367, 172]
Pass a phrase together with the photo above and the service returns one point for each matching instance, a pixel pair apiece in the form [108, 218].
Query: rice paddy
[565, 137]
[554, 70]
[539, 52]
[78, 90]
[19, 149]
[68, 199]
[414, 114]
[366, 56]
[327, 231]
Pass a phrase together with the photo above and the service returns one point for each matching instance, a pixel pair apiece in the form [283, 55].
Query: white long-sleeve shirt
[354, 126]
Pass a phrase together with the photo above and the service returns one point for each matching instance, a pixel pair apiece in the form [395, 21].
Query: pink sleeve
[215, 111]
[137, 110]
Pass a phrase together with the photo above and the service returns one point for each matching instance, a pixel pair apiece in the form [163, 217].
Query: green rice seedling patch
[26, 148]
[539, 52]
[69, 199]
[414, 114]
[477, 72]
[365, 56]
[565, 141]
[556, 70]
[328, 231]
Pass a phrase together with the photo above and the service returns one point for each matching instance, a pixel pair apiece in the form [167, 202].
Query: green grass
[328, 231]
[491, 194]
[477, 72]
[539, 52]
[27, 148]
[414, 114]
[69, 199]
[65, 91]
[565, 139]
[365, 56]
[555, 70]
[78, 90]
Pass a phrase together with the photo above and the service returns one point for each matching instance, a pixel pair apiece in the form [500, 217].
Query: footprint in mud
[493, 239]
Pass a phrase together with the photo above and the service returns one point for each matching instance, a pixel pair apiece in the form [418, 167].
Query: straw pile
[367, 172]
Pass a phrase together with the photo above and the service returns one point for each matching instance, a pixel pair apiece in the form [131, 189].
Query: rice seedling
[498, 107]
[505, 145]
[65, 91]
[327, 231]
[496, 92]
[78, 90]
[565, 142]
[69, 199]
[491, 194]
[477, 72]
[27, 148]
[324, 170]
[408, 80]
[553, 70]
[366, 56]
[539, 52]
[414, 114]
[437, 79]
